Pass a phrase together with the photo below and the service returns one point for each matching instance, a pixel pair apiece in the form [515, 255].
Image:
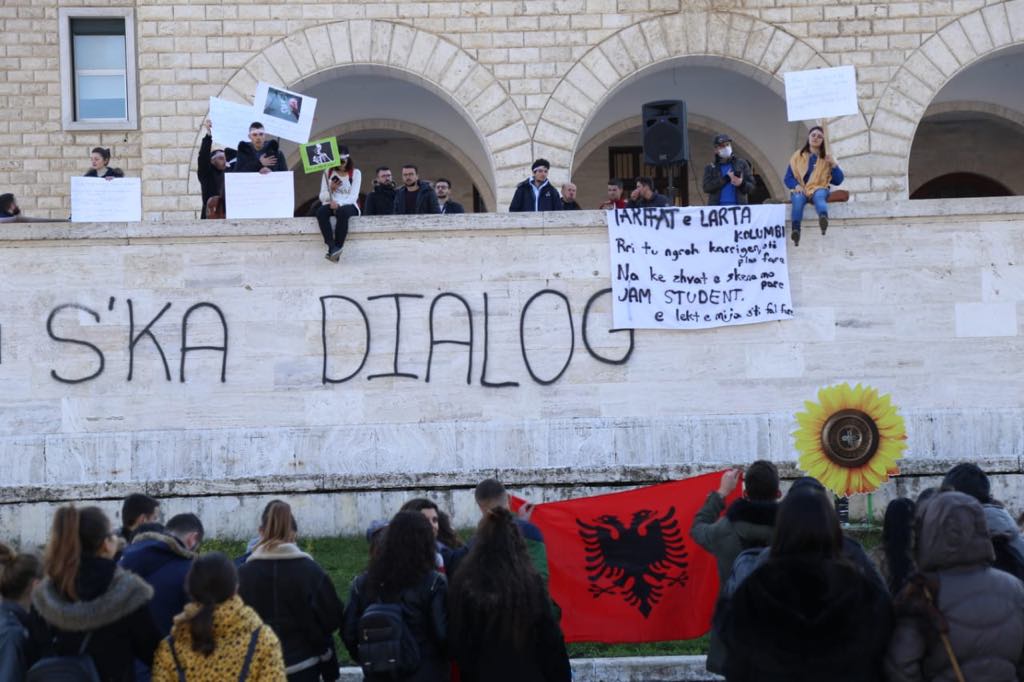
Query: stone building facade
[486, 86]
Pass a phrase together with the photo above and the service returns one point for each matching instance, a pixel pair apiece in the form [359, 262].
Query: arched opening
[967, 143]
[722, 96]
[390, 117]
[961, 186]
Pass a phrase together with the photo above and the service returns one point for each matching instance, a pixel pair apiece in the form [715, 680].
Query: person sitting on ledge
[809, 180]
[536, 193]
[99, 160]
[259, 155]
[339, 196]
[645, 196]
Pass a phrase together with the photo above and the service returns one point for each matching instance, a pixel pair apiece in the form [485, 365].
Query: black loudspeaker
[664, 131]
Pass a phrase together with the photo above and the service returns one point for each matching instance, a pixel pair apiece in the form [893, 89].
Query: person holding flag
[748, 522]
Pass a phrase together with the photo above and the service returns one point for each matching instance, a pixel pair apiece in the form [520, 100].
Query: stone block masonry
[218, 364]
[536, 58]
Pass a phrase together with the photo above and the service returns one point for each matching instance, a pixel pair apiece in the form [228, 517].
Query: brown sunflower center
[850, 438]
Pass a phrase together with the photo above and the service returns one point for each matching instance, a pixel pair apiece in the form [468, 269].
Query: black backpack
[76, 668]
[386, 645]
[1007, 557]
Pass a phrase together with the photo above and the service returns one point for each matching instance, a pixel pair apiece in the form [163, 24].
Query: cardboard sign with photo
[283, 113]
[320, 155]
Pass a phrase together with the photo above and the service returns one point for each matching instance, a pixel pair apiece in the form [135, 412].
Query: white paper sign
[230, 122]
[256, 195]
[701, 267]
[284, 113]
[821, 93]
[97, 200]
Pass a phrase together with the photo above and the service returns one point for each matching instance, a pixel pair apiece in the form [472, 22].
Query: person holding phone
[728, 180]
[339, 194]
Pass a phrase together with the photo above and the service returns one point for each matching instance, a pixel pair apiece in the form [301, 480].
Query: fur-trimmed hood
[286, 550]
[171, 543]
[125, 594]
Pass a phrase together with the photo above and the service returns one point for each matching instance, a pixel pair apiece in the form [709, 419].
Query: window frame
[68, 104]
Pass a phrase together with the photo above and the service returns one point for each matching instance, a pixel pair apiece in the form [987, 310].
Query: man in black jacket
[645, 196]
[415, 196]
[259, 155]
[443, 188]
[381, 201]
[210, 167]
[728, 180]
[536, 193]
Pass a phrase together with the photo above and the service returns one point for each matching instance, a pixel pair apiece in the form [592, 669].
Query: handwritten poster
[230, 121]
[257, 195]
[97, 200]
[701, 267]
[821, 93]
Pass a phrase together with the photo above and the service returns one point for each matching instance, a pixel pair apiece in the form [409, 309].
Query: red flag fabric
[623, 566]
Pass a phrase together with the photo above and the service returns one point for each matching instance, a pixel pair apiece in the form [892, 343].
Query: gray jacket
[983, 607]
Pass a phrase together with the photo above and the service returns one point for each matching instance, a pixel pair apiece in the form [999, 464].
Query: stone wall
[527, 73]
[919, 299]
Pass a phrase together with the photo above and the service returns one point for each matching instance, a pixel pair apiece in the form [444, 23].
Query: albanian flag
[623, 566]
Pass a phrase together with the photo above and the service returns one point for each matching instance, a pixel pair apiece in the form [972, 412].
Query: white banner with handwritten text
[701, 267]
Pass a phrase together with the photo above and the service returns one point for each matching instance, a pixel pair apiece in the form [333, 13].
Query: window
[97, 59]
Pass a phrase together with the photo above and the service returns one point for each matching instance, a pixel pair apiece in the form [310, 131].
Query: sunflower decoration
[851, 439]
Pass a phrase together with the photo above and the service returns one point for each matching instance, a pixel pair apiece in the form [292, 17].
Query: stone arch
[470, 88]
[734, 41]
[697, 122]
[952, 49]
[477, 174]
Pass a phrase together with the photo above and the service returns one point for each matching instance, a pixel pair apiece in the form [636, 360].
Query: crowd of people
[941, 599]
[728, 180]
[139, 603]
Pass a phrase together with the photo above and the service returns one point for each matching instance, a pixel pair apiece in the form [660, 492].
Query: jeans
[800, 200]
[342, 213]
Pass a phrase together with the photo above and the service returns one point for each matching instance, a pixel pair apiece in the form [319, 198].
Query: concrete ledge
[627, 669]
[853, 212]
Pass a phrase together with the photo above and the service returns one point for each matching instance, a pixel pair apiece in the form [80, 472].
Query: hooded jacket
[163, 562]
[747, 524]
[798, 619]
[18, 646]
[983, 607]
[1001, 524]
[381, 201]
[295, 597]
[233, 626]
[113, 606]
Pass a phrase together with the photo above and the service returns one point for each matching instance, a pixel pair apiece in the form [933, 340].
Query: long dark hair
[898, 540]
[446, 534]
[405, 557]
[497, 592]
[17, 571]
[75, 533]
[806, 149]
[277, 525]
[212, 580]
[807, 525]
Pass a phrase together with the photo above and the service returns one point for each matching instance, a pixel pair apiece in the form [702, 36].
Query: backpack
[246, 664]
[75, 668]
[386, 645]
[1007, 557]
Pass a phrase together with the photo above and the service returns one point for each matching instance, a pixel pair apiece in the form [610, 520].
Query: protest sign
[260, 195]
[284, 113]
[98, 200]
[701, 267]
[320, 155]
[821, 93]
[230, 121]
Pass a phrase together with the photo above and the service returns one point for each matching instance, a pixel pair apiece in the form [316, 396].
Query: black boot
[796, 235]
[823, 223]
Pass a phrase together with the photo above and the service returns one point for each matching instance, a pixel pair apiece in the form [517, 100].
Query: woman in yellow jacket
[811, 171]
[217, 638]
